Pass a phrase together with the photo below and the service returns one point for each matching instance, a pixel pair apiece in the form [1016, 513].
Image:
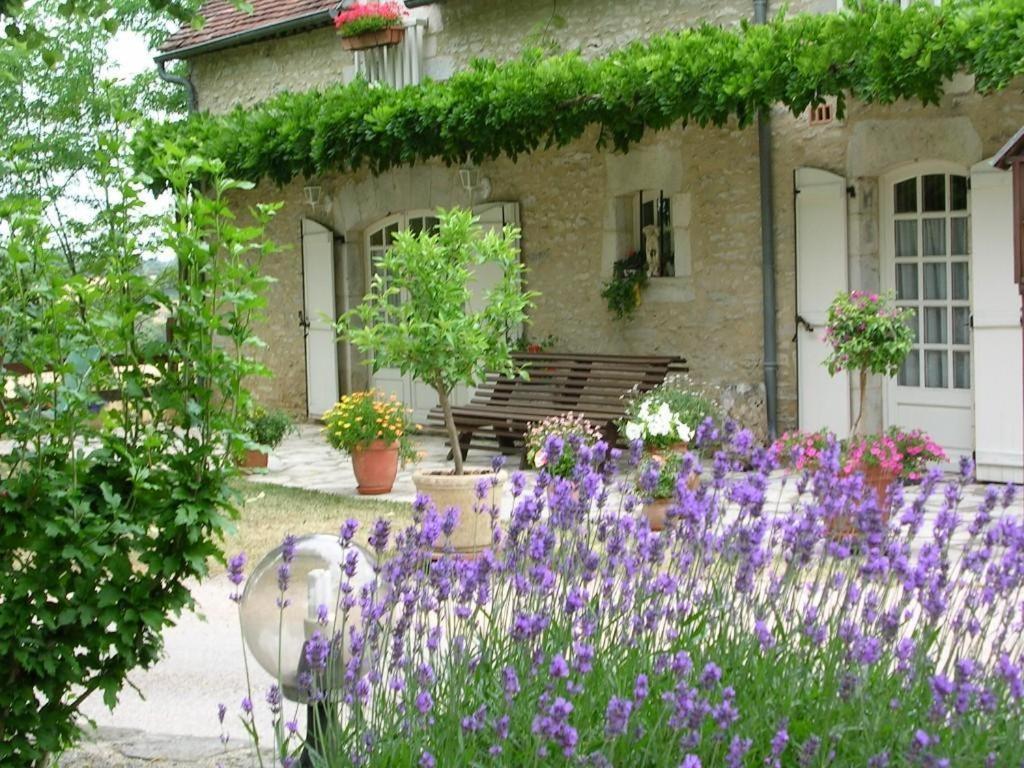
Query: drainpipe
[764, 154]
[167, 77]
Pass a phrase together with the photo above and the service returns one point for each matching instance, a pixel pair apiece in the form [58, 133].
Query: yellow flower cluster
[363, 417]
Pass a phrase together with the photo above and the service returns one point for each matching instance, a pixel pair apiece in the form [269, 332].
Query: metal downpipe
[764, 154]
[193, 99]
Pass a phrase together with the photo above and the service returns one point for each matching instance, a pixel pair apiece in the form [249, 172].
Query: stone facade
[571, 201]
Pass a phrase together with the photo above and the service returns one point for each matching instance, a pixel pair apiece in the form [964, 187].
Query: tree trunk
[860, 407]
[449, 423]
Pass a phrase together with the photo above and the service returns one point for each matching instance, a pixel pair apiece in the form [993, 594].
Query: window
[654, 230]
[932, 262]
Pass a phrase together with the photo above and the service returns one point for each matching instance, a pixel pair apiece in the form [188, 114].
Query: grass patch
[269, 512]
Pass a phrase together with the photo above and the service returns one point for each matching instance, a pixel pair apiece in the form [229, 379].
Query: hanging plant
[629, 278]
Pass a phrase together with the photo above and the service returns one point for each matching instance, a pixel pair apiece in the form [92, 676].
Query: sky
[129, 54]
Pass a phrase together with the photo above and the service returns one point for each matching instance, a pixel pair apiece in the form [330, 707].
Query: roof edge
[284, 26]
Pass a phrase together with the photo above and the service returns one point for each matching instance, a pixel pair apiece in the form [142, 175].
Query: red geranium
[369, 17]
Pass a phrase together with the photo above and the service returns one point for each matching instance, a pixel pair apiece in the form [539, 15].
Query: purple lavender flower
[288, 548]
[424, 702]
[348, 531]
[379, 534]
[222, 710]
[690, 761]
[247, 705]
[274, 698]
[427, 760]
[616, 716]
[640, 688]
[317, 651]
[236, 573]
[559, 667]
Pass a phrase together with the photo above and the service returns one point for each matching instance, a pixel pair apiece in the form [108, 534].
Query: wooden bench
[502, 408]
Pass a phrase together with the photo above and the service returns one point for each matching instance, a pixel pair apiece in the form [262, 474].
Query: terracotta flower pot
[876, 480]
[375, 467]
[472, 533]
[657, 513]
[663, 453]
[254, 460]
[657, 509]
[389, 36]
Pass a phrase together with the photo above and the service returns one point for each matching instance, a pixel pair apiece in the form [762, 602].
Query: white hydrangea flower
[686, 433]
[634, 431]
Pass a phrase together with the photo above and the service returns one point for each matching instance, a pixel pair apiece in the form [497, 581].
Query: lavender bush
[739, 636]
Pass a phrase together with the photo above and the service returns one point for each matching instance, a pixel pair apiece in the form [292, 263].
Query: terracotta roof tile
[224, 20]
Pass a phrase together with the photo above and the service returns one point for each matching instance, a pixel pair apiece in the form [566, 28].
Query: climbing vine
[708, 75]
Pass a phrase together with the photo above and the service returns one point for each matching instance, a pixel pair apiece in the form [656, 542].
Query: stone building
[895, 198]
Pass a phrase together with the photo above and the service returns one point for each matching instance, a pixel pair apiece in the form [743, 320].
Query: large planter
[472, 533]
[375, 467]
[254, 460]
[389, 36]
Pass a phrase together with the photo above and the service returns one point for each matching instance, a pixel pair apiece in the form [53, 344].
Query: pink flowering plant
[868, 335]
[553, 444]
[905, 454]
[741, 636]
[363, 18]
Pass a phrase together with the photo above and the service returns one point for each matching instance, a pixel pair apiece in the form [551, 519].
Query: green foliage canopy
[709, 75]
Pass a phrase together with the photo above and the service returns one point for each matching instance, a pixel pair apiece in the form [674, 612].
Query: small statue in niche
[652, 249]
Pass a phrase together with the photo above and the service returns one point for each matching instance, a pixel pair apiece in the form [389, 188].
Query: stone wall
[457, 32]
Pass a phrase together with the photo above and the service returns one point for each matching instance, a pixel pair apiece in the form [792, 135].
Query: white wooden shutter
[821, 272]
[997, 332]
[318, 299]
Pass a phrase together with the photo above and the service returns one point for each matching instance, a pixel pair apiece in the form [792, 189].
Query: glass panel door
[932, 274]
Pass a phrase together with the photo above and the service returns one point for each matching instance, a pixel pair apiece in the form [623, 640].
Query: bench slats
[502, 408]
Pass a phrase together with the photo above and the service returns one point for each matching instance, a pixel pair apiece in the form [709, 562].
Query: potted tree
[868, 335]
[375, 433]
[417, 317]
[370, 25]
[267, 428]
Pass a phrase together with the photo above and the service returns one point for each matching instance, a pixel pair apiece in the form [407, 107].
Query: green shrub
[105, 522]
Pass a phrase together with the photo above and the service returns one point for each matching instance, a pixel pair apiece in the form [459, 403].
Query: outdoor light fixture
[312, 194]
[478, 187]
[276, 635]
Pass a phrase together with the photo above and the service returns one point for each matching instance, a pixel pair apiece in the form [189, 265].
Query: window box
[378, 39]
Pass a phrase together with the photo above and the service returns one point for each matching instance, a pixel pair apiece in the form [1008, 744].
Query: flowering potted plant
[666, 417]
[370, 25]
[267, 428]
[867, 335]
[659, 480]
[375, 433]
[882, 459]
[436, 335]
[553, 444]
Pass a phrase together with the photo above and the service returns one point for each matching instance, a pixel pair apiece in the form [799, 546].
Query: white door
[415, 394]
[318, 316]
[821, 273]
[996, 376]
[926, 262]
